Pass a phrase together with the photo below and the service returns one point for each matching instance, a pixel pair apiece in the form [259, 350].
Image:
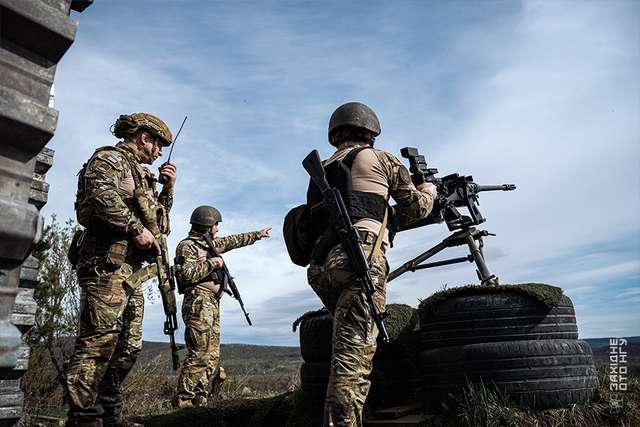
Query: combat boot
[122, 423]
[199, 401]
[179, 403]
[80, 422]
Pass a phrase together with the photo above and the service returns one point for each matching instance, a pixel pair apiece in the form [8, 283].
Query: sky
[542, 94]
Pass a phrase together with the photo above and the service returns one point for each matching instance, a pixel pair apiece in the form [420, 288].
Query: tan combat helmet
[127, 125]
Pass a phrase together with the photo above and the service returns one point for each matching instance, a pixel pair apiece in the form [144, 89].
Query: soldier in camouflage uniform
[116, 241]
[375, 175]
[197, 272]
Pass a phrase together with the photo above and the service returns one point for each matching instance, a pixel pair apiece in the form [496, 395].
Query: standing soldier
[371, 176]
[113, 187]
[198, 273]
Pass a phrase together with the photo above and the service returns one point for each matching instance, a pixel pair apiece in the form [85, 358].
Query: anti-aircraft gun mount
[454, 191]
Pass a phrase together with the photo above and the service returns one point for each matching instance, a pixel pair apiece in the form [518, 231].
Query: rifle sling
[380, 237]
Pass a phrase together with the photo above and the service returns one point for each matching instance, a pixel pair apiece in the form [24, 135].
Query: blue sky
[542, 94]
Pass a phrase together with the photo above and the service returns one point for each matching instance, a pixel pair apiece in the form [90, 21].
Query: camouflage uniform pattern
[201, 311]
[110, 325]
[341, 292]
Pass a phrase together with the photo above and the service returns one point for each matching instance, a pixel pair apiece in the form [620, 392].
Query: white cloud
[547, 99]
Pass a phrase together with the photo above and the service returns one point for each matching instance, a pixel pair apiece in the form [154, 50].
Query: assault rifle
[228, 284]
[349, 238]
[454, 191]
[159, 267]
[167, 287]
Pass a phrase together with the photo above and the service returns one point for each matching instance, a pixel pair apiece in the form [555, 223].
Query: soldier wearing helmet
[366, 177]
[113, 185]
[197, 273]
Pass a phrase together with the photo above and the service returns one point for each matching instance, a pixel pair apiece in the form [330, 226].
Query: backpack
[303, 225]
[297, 235]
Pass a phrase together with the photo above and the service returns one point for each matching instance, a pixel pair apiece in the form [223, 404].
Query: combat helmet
[127, 125]
[354, 114]
[205, 215]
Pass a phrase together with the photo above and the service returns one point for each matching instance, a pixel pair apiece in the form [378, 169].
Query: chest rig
[359, 204]
[214, 278]
[100, 243]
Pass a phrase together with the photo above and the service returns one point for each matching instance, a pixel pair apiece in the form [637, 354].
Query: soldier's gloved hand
[169, 171]
[145, 240]
[429, 188]
[216, 262]
[264, 232]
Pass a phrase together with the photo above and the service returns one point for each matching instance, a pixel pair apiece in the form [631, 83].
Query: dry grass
[480, 406]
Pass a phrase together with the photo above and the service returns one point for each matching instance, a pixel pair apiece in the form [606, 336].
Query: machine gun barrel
[501, 187]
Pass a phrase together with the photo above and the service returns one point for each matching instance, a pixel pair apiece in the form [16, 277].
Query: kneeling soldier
[197, 272]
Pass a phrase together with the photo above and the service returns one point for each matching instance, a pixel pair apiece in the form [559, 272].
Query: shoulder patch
[405, 177]
[104, 160]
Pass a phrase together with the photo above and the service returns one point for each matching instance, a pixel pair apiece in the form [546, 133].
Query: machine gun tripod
[467, 236]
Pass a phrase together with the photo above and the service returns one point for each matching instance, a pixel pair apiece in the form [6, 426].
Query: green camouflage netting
[546, 294]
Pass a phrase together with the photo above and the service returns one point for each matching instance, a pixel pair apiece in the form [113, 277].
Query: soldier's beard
[147, 155]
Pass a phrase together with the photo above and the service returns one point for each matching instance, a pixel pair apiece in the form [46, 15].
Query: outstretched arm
[227, 243]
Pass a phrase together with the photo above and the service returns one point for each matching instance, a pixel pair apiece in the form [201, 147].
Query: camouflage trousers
[201, 316]
[109, 340]
[354, 333]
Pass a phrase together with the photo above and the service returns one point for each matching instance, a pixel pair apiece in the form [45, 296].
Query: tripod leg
[486, 278]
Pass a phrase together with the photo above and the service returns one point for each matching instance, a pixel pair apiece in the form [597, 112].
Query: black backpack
[303, 225]
[297, 235]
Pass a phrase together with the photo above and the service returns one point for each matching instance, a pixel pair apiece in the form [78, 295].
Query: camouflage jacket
[193, 262]
[106, 202]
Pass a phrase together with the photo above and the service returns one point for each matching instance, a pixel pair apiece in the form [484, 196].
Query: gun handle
[418, 178]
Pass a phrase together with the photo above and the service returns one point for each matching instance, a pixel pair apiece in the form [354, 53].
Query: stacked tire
[395, 376]
[509, 341]
[315, 347]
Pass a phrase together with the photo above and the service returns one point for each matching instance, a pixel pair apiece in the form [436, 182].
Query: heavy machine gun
[454, 191]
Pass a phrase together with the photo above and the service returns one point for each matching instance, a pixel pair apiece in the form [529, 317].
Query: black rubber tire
[393, 383]
[538, 374]
[401, 321]
[314, 378]
[495, 317]
[315, 339]
[314, 372]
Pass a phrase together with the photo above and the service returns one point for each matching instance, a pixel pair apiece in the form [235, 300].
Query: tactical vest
[359, 204]
[214, 278]
[100, 240]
